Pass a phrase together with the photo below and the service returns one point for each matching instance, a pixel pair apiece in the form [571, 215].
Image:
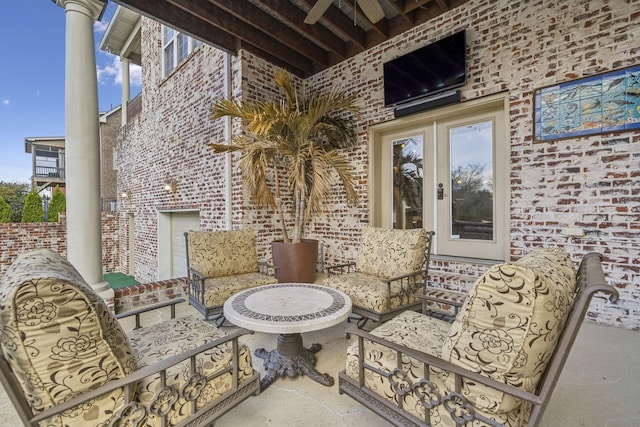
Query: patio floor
[600, 386]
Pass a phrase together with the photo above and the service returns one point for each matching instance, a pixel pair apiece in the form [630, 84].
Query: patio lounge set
[66, 361]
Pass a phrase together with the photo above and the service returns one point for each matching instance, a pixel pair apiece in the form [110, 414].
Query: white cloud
[111, 73]
[100, 26]
[5, 101]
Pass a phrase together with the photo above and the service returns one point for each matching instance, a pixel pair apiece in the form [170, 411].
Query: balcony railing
[48, 172]
[109, 205]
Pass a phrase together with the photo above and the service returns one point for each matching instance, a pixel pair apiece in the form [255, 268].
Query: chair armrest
[341, 268]
[193, 271]
[429, 361]
[266, 268]
[137, 312]
[157, 369]
[443, 296]
[195, 285]
[408, 285]
[405, 276]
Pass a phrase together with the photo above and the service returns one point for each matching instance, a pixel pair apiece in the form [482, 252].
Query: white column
[126, 91]
[82, 144]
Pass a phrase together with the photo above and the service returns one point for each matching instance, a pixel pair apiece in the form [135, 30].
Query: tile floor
[600, 386]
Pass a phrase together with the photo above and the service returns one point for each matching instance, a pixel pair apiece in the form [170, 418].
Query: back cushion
[60, 338]
[223, 253]
[510, 323]
[388, 253]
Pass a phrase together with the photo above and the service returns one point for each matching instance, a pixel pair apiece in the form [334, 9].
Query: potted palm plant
[291, 151]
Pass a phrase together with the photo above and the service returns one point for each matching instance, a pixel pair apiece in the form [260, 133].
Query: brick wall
[110, 124]
[513, 46]
[20, 237]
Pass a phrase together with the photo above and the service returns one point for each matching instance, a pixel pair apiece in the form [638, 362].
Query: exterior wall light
[170, 185]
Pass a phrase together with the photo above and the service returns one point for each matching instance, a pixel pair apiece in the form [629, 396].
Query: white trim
[421, 122]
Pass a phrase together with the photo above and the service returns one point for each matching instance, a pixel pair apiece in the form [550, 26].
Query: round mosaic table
[288, 309]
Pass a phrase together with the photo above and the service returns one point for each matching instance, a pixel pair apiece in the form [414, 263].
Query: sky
[32, 58]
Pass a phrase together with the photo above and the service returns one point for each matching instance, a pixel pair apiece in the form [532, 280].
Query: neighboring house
[540, 193]
[49, 166]
[110, 125]
[47, 162]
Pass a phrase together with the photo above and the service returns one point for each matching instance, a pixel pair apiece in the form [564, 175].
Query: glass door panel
[471, 213]
[407, 176]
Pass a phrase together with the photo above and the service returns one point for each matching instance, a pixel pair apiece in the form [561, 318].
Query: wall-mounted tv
[434, 68]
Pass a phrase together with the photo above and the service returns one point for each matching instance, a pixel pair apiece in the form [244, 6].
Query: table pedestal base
[290, 358]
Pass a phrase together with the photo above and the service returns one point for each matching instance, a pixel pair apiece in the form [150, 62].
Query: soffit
[275, 29]
[122, 36]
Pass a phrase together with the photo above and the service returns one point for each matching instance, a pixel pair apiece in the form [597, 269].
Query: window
[176, 46]
[445, 170]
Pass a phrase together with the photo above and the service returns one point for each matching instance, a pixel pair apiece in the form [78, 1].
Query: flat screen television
[434, 68]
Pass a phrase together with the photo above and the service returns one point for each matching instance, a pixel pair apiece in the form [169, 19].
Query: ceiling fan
[371, 8]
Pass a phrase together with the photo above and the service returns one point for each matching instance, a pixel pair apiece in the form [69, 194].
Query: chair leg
[363, 321]
[359, 319]
[219, 320]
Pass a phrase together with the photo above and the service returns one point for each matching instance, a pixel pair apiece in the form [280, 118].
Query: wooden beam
[267, 26]
[318, 34]
[335, 18]
[399, 6]
[220, 18]
[170, 15]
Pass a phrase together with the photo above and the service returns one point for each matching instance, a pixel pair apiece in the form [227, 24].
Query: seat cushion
[388, 253]
[509, 326]
[419, 332]
[60, 338]
[370, 292]
[172, 337]
[217, 290]
[223, 253]
[410, 329]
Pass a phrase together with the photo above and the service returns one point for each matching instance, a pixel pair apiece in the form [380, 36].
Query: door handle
[440, 191]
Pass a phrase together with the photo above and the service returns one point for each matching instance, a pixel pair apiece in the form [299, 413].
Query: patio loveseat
[65, 360]
[495, 365]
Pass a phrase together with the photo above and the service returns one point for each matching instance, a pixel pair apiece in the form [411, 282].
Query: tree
[5, 211]
[58, 204]
[295, 143]
[33, 210]
[14, 193]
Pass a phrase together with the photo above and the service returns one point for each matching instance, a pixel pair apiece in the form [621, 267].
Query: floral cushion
[218, 289]
[410, 329]
[223, 253]
[508, 327]
[370, 292]
[388, 253]
[169, 338]
[60, 338]
[420, 332]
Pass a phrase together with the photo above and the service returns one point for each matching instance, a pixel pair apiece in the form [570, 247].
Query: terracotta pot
[296, 262]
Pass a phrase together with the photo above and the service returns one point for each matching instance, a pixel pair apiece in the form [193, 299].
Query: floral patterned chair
[390, 271]
[67, 362]
[495, 365]
[221, 264]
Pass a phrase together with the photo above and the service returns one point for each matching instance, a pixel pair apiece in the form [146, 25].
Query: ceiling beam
[266, 26]
[318, 34]
[216, 16]
[341, 23]
[170, 15]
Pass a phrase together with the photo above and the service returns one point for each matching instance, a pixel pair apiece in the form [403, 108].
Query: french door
[446, 172]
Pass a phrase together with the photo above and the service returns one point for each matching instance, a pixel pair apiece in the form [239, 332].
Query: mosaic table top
[287, 308]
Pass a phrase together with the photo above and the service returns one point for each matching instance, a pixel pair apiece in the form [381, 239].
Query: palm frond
[301, 138]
